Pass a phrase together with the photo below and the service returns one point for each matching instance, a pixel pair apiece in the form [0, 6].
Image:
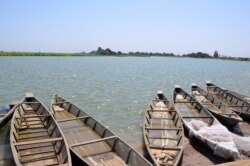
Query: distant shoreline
[193, 55]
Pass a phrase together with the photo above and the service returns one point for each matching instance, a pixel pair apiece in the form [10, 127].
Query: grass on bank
[120, 54]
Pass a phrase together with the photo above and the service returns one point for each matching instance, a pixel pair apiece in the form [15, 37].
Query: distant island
[108, 52]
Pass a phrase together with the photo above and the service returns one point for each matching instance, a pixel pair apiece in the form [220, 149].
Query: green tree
[216, 54]
[99, 50]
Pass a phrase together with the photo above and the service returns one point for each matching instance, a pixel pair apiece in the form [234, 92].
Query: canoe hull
[160, 140]
[237, 104]
[90, 141]
[227, 121]
[35, 138]
[221, 111]
[6, 118]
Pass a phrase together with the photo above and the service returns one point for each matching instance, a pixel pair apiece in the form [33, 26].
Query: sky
[169, 26]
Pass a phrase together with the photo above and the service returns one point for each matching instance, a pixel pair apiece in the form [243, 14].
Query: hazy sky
[129, 25]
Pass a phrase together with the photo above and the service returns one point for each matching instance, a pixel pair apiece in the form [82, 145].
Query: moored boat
[163, 132]
[35, 138]
[6, 114]
[202, 125]
[90, 141]
[221, 111]
[238, 105]
[243, 97]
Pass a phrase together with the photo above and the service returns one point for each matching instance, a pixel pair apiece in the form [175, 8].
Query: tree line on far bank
[109, 52]
[216, 55]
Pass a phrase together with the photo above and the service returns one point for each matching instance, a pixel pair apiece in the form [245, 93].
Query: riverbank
[2, 53]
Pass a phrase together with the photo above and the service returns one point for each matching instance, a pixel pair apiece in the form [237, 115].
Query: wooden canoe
[163, 132]
[201, 124]
[89, 140]
[243, 97]
[6, 114]
[240, 106]
[221, 111]
[35, 137]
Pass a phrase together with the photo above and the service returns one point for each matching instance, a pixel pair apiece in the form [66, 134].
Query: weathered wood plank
[93, 141]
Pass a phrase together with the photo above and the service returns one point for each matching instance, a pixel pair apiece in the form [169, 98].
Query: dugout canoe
[35, 137]
[202, 125]
[221, 111]
[6, 114]
[243, 97]
[163, 132]
[90, 141]
[240, 106]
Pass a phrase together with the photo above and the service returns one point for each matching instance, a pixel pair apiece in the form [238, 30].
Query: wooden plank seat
[158, 118]
[36, 151]
[93, 141]
[34, 146]
[160, 128]
[30, 102]
[34, 126]
[170, 138]
[38, 157]
[165, 147]
[32, 120]
[61, 102]
[29, 112]
[154, 110]
[197, 117]
[38, 141]
[186, 102]
[32, 131]
[32, 116]
[77, 118]
[33, 136]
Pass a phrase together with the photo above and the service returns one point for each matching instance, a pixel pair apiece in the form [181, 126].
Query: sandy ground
[236, 163]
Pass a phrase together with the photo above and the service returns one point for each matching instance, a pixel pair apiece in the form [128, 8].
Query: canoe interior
[189, 109]
[237, 104]
[163, 132]
[215, 106]
[89, 140]
[35, 136]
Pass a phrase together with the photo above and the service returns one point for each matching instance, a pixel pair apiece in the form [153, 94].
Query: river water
[114, 90]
